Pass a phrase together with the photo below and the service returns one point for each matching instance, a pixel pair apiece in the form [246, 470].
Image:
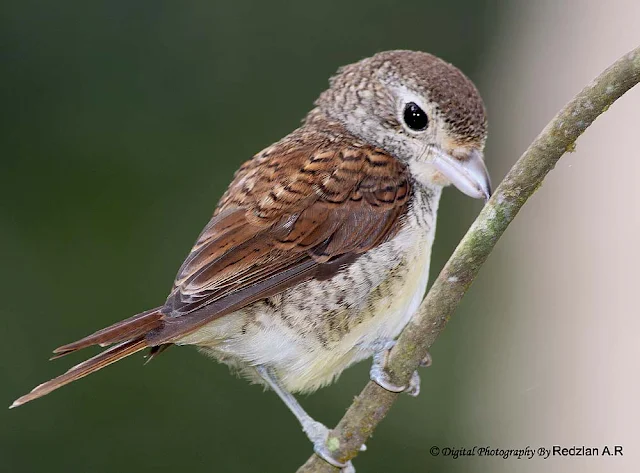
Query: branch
[526, 176]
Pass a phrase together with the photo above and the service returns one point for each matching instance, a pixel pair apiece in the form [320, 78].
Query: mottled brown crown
[455, 96]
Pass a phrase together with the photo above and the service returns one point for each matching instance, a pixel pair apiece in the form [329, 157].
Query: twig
[526, 176]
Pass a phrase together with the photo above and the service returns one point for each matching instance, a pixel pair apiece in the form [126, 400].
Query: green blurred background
[122, 123]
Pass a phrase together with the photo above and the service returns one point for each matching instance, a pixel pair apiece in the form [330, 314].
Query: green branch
[526, 176]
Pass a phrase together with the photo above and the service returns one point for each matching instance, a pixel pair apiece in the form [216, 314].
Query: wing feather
[290, 214]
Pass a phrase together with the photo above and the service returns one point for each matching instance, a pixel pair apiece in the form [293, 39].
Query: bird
[318, 253]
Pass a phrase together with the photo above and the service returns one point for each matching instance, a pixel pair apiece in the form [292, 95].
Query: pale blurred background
[122, 122]
[557, 357]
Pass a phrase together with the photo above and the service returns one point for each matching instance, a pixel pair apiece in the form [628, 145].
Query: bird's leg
[379, 375]
[315, 431]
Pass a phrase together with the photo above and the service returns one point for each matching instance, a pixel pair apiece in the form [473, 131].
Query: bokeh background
[122, 122]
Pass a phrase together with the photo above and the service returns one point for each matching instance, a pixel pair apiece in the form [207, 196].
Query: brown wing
[297, 211]
[293, 213]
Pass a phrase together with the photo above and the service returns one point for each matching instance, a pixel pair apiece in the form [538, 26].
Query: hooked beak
[467, 173]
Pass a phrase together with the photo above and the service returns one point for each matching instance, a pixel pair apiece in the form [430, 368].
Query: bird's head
[418, 108]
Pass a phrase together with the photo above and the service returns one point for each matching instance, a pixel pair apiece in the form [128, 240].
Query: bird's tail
[128, 336]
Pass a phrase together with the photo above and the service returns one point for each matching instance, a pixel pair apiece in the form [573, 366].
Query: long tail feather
[111, 355]
[127, 329]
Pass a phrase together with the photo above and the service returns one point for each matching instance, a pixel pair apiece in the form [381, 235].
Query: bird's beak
[468, 172]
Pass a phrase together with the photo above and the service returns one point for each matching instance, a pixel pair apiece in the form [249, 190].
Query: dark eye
[415, 118]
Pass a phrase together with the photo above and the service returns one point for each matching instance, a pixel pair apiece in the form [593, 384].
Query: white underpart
[259, 334]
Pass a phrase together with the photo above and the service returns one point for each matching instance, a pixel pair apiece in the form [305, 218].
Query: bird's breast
[311, 332]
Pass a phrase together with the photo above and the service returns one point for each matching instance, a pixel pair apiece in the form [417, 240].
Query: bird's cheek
[439, 179]
[427, 174]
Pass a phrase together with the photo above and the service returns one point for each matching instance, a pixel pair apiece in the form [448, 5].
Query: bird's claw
[426, 361]
[318, 434]
[323, 453]
[379, 375]
[413, 389]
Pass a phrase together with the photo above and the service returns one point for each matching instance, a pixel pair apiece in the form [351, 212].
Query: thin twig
[526, 176]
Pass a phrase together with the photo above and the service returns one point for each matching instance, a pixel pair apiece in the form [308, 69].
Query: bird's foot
[426, 361]
[380, 376]
[315, 431]
[318, 433]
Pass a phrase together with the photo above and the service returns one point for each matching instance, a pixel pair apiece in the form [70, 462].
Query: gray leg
[379, 375]
[315, 431]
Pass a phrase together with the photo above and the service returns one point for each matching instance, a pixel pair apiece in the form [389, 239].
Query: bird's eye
[415, 118]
